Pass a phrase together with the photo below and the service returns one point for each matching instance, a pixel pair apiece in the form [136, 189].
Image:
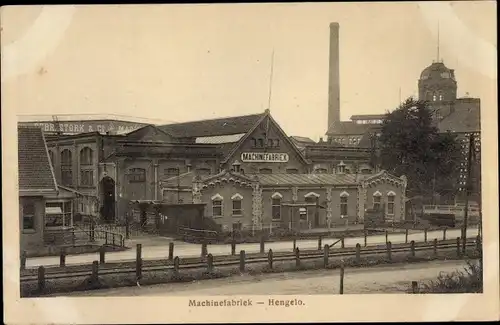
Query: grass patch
[468, 280]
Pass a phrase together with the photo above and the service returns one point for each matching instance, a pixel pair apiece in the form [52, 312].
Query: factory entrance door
[108, 199]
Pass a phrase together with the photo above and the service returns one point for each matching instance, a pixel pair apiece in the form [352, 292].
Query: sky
[187, 62]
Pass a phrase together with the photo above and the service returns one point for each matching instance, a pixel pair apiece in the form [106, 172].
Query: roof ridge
[212, 119]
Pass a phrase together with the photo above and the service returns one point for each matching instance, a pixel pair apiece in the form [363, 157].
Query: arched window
[344, 196]
[66, 167]
[341, 168]
[390, 202]
[86, 156]
[261, 143]
[434, 97]
[276, 206]
[217, 205]
[237, 207]
[137, 175]
[377, 200]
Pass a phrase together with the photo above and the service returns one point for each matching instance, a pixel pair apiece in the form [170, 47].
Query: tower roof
[437, 70]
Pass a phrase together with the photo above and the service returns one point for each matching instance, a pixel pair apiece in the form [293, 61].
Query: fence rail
[176, 263]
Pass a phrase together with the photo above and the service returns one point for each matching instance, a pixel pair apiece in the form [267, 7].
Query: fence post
[297, 257]
[444, 233]
[95, 271]
[233, 247]
[138, 262]
[425, 235]
[406, 236]
[210, 263]
[366, 235]
[262, 244]
[106, 235]
[294, 244]
[389, 251]
[458, 246]
[176, 265]
[170, 251]
[113, 239]
[358, 253]
[41, 279]
[204, 249]
[242, 261]
[412, 248]
[386, 236]
[101, 255]
[414, 287]
[342, 243]
[326, 254]
[435, 246]
[319, 243]
[23, 260]
[341, 277]
[270, 259]
[62, 258]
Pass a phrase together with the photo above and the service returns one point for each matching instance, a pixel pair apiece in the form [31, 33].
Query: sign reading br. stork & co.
[264, 157]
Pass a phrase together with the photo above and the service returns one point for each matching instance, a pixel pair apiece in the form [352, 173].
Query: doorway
[108, 199]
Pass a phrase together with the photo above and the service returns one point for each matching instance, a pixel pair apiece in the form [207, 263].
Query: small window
[237, 226]
[217, 208]
[343, 206]
[440, 97]
[28, 216]
[277, 143]
[434, 98]
[203, 171]
[137, 175]
[261, 143]
[377, 200]
[87, 178]
[276, 208]
[54, 214]
[292, 171]
[320, 171]
[254, 142]
[390, 204]
[270, 143]
[171, 172]
[265, 171]
[237, 210]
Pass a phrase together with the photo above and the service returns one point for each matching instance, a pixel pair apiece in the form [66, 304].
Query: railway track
[52, 273]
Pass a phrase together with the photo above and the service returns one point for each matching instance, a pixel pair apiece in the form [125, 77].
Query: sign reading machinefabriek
[264, 157]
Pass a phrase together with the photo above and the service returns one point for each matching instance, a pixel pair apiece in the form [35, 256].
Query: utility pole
[467, 190]
[178, 185]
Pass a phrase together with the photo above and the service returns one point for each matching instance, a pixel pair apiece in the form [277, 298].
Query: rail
[32, 274]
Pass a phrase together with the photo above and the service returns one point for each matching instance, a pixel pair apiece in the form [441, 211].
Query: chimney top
[334, 25]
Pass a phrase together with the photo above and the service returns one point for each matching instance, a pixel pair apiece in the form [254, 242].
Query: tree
[410, 145]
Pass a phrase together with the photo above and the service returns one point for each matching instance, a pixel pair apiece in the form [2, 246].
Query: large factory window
[28, 212]
[86, 156]
[137, 175]
[66, 167]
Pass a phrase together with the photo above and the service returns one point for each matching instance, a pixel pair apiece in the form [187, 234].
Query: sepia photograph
[273, 158]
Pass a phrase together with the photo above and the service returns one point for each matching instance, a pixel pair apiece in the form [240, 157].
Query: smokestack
[334, 82]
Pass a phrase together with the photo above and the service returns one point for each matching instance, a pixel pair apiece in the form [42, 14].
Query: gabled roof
[213, 127]
[35, 169]
[267, 114]
[462, 120]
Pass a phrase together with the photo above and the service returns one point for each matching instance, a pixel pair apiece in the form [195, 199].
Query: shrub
[470, 280]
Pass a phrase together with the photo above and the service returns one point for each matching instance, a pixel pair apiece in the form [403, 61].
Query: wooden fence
[209, 262]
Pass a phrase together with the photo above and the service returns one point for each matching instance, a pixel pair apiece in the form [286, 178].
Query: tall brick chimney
[334, 82]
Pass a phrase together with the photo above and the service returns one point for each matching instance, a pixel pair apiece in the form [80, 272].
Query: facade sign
[77, 127]
[264, 157]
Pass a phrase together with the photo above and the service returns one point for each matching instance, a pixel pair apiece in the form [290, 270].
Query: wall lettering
[264, 157]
